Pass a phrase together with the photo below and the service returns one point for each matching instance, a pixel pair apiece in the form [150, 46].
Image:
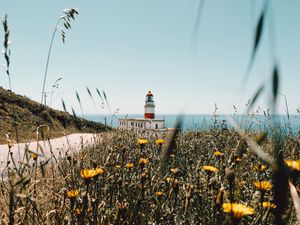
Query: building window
[156, 126]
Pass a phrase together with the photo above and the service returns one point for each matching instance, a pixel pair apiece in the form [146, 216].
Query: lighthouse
[149, 106]
[147, 125]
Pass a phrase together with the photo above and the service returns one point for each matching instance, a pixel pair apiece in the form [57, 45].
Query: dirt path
[59, 146]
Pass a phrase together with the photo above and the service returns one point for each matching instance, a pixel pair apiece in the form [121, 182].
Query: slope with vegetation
[20, 117]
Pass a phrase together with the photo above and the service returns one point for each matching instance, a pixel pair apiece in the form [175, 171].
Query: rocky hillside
[20, 117]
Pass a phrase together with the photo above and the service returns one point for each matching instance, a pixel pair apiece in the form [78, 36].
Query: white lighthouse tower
[149, 106]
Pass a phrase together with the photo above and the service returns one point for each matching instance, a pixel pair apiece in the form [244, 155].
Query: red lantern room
[149, 106]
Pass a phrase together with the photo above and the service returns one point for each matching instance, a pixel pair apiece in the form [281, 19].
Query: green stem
[48, 58]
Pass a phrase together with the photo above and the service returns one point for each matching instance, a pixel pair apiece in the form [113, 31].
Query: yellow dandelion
[99, 171]
[293, 165]
[129, 165]
[238, 159]
[218, 154]
[210, 169]
[160, 141]
[34, 156]
[268, 205]
[88, 174]
[142, 141]
[237, 210]
[159, 193]
[170, 179]
[117, 166]
[72, 194]
[260, 167]
[143, 161]
[263, 185]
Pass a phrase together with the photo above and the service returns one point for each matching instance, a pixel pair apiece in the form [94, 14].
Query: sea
[289, 124]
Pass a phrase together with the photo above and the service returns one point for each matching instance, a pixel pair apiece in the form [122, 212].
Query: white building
[148, 123]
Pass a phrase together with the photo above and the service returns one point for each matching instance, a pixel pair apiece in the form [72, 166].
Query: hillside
[20, 116]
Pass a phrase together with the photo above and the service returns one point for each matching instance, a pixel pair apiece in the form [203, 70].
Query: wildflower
[170, 179]
[34, 156]
[237, 210]
[143, 161]
[218, 154]
[172, 155]
[99, 171]
[293, 165]
[129, 165]
[238, 159]
[88, 174]
[260, 167]
[142, 141]
[160, 142]
[72, 194]
[159, 193]
[117, 166]
[263, 185]
[210, 169]
[268, 205]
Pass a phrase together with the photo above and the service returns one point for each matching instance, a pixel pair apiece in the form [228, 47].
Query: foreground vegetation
[124, 179]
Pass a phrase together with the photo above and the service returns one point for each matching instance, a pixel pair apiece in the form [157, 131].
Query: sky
[128, 47]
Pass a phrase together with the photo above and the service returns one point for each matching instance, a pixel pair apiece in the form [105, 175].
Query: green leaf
[275, 83]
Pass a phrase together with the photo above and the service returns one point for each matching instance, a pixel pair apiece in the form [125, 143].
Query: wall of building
[140, 125]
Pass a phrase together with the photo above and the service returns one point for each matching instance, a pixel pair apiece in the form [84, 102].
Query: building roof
[149, 93]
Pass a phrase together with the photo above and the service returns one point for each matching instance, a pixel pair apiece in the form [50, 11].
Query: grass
[218, 176]
[119, 180]
[20, 117]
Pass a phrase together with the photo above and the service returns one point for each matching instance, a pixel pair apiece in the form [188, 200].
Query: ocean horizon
[197, 122]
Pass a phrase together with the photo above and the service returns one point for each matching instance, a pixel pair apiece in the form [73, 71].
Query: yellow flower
[72, 194]
[99, 171]
[159, 193]
[218, 154]
[210, 169]
[237, 210]
[88, 174]
[117, 166]
[129, 165]
[34, 156]
[263, 185]
[143, 161]
[160, 141]
[172, 155]
[142, 141]
[170, 179]
[260, 167]
[293, 165]
[268, 205]
[238, 159]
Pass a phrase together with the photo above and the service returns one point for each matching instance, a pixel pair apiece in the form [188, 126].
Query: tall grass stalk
[65, 17]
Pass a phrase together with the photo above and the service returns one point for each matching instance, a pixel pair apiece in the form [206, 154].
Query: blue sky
[131, 46]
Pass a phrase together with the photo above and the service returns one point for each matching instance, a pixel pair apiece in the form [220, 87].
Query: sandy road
[59, 146]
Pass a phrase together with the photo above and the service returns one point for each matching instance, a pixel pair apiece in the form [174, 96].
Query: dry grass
[125, 184]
